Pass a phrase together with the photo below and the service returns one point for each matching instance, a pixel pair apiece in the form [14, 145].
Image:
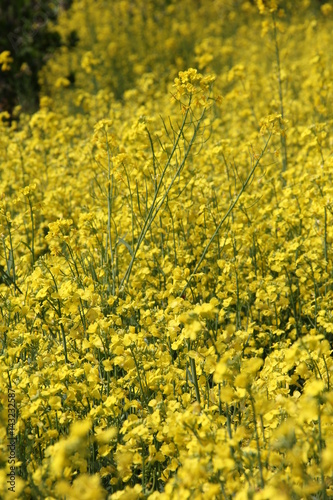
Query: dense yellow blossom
[166, 256]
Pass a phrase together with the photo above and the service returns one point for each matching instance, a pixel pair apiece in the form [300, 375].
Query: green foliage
[24, 32]
[166, 258]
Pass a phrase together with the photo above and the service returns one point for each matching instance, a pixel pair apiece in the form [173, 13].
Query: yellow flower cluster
[166, 274]
[193, 84]
[267, 6]
[5, 60]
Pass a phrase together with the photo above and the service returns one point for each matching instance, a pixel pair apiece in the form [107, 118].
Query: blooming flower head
[191, 83]
[5, 60]
[267, 6]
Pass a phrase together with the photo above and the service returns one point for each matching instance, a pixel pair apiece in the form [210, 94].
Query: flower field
[166, 262]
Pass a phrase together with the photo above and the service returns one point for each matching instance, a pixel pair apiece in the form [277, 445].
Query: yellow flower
[242, 380]
[5, 60]
[80, 428]
[267, 5]
[86, 487]
[62, 82]
[129, 493]
[88, 62]
[326, 9]
[191, 83]
[314, 388]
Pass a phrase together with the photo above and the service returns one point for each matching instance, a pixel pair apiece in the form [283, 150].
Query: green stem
[262, 484]
[138, 372]
[109, 195]
[194, 375]
[320, 446]
[325, 245]
[32, 232]
[155, 207]
[282, 135]
[232, 206]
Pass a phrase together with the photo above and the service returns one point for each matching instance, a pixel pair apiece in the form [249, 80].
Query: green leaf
[121, 240]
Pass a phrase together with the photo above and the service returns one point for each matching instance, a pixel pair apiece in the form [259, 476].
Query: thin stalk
[63, 334]
[59, 313]
[282, 135]
[320, 446]
[325, 245]
[195, 379]
[327, 373]
[11, 253]
[143, 483]
[232, 206]
[262, 484]
[155, 207]
[32, 232]
[109, 196]
[228, 421]
[143, 393]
